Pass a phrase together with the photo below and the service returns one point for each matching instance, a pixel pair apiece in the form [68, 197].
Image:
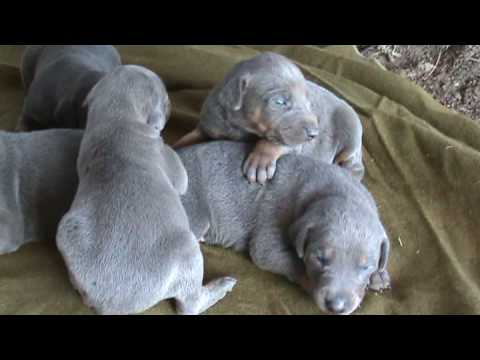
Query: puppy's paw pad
[380, 281]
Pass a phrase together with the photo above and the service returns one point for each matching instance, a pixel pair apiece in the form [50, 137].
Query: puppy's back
[37, 184]
[121, 237]
[216, 167]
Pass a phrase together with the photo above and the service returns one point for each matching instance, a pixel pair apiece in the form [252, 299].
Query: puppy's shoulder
[215, 151]
[316, 173]
[322, 98]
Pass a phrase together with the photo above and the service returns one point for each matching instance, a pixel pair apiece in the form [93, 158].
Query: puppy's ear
[233, 93]
[299, 235]
[384, 254]
[380, 279]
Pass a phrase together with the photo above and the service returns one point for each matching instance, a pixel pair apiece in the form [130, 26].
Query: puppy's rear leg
[351, 162]
[207, 296]
[192, 138]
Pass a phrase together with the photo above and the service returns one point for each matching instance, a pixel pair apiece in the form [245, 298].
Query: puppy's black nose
[312, 133]
[335, 305]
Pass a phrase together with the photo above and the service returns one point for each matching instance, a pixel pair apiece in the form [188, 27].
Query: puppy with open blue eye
[267, 100]
[314, 223]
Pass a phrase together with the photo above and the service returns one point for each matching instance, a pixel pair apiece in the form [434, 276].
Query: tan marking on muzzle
[269, 149]
[259, 123]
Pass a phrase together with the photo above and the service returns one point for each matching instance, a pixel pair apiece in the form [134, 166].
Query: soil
[451, 73]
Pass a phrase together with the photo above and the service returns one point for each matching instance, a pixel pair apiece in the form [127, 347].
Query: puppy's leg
[352, 163]
[176, 172]
[200, 301]
[192, 138]
[261, 164]
[270, 252]
[191, 296]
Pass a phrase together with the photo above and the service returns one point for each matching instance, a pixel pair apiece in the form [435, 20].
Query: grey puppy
[314, 223]
[57, 79]
[38, 181]
[126, 240]
[267, 99]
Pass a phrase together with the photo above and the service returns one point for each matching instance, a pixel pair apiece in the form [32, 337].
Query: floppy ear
[380, 279]
[175, 171]
[299, 235]
[233, 92]
[384, 254]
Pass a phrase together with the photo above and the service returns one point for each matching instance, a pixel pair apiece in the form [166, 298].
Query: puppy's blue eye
[279, 101]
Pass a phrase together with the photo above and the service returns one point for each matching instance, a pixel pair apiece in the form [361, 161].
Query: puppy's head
[271, 93]
[133, 89]
[342, 246]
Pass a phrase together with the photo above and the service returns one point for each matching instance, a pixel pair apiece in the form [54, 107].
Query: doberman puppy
[267, 100]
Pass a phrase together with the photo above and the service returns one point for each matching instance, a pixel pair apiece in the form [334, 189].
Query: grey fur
[126, 240]
[310, 210]
[38, 181]
[57, 78]
[314, 122]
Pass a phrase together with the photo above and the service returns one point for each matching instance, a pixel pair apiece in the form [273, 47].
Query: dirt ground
[451, 73]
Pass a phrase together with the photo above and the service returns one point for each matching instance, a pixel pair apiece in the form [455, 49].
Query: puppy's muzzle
[338, 303]
[311, 128]
[312, 132]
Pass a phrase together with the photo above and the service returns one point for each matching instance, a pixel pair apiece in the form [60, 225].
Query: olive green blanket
[422, 162]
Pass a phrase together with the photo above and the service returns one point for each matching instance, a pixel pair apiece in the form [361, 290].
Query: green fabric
[422, 164]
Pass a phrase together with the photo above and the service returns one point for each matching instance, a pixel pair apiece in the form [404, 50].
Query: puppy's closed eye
[322, 260]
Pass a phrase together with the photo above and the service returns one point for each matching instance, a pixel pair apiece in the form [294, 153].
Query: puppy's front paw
[260, 167]
[262, 162]
[380, 281]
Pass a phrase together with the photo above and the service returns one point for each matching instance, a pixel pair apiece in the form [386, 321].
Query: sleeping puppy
[126, 240]
[38, 181]
[314, 223]
[267, 99]
[57, 79]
